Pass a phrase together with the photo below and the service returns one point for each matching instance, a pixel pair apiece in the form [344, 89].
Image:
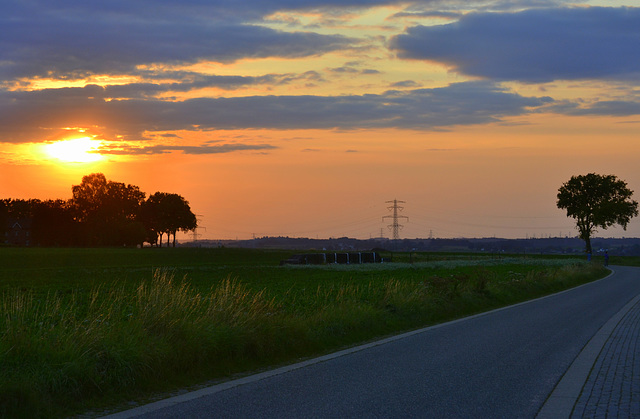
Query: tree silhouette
[89, 196]
[4, 217]
[100, 213]
[596, 201]
[53, 224]
[151, 217]
[108, 210]
[167, 213]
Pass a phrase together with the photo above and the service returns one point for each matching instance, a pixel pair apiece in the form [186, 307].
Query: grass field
[87, 329]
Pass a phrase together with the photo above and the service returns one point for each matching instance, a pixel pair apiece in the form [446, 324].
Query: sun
[78, 150]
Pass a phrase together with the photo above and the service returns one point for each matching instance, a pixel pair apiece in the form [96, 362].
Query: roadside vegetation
[87, 329]
[625, 261]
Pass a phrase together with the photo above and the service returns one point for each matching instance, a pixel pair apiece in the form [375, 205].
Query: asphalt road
[501, 364]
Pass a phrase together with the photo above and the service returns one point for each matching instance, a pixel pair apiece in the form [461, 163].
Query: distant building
[18, 232]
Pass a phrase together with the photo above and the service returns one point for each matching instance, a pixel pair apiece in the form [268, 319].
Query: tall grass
[66, 352]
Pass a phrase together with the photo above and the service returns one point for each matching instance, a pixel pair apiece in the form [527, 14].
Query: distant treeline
[550, 245]
[101, 213]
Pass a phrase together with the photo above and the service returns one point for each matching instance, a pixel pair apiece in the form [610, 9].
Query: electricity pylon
[195, 230]
[395, 226]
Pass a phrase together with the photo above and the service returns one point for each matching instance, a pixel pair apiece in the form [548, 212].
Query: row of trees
[101, 213]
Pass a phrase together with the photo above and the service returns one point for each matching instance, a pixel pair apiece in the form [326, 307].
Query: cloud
[429, 14]
[38, 115]
[348, 70]
[188, 81]
[455, 9]
[164, 149]
[344, 69]
[539, 45]
[619, 108]
[71, 39]
[405, 83]
[217, 11]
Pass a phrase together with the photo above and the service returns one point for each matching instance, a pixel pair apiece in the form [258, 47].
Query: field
[89, 329]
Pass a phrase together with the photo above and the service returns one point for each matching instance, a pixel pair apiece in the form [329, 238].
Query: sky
[306, 118]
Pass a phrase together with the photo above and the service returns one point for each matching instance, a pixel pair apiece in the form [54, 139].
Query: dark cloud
[41, 114]
[405, 83]
[454, 9]
[195, 81]
[216, 10]
[164, 149]
[429, 14]
[533, 45]
[188, 82]
[71, 39]
[614, 108]
[619, 108]
[344, 69]
[353, 71]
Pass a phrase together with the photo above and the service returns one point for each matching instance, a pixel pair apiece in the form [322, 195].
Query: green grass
[624, 261]
[83, 329]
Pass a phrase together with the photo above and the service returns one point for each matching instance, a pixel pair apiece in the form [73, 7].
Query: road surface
[503, 363]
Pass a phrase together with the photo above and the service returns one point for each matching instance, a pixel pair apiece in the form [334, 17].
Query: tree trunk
[587, 241]
[174, 239]
[160, 235]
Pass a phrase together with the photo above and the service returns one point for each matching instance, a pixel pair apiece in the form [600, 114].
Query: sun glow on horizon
[78, 150]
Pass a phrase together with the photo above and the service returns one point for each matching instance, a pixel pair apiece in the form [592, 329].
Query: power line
[395, 226]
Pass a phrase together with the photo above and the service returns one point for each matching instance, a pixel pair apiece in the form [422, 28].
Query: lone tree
[597, 201]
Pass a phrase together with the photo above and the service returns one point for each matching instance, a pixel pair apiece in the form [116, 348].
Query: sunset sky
[302, 118]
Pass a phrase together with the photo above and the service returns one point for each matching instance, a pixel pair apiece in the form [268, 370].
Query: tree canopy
[168, 213]
[596, 201]
[100, 213]
[108, 211]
